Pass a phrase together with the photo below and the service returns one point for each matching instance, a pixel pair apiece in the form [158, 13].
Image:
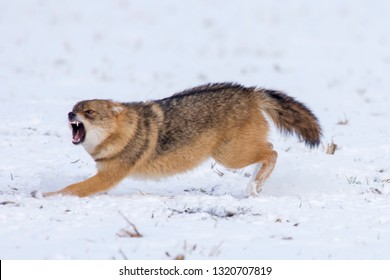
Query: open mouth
[78, 132]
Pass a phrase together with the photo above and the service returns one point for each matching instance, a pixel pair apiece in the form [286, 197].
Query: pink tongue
[76, 137]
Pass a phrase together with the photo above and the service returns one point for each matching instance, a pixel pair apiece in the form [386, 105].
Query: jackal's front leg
[102, 181]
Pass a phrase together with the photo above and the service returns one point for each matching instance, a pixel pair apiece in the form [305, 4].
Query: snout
[71, 116]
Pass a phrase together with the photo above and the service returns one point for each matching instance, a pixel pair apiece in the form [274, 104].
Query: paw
[252, 189]
[48, 194]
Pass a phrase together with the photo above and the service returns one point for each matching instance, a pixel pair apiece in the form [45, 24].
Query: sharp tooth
[77, 123]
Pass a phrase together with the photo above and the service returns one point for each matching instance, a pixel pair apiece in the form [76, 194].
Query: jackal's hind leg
[267, 161]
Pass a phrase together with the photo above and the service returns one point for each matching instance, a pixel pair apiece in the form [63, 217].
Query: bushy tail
[290, 116]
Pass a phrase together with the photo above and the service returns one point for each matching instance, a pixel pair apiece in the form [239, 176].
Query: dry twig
[127, 233]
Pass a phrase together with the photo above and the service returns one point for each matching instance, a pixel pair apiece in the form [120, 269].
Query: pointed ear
[117, 109]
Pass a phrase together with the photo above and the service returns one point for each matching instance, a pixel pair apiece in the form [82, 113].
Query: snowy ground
[332, 55]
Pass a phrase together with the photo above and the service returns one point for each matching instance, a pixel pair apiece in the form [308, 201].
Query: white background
[321, 270]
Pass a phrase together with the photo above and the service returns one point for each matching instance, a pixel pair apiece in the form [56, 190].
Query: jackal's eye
[90, 112]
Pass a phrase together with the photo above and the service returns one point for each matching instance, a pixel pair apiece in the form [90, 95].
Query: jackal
[158, 138]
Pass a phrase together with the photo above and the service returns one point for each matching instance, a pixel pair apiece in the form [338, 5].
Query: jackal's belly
[178, 159]
[170, 164]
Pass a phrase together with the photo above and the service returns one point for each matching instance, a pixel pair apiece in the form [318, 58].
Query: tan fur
[172, 135]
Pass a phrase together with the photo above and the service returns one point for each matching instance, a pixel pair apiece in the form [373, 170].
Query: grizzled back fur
[211, 105]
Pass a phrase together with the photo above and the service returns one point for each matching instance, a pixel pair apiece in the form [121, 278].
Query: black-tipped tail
[291, 116]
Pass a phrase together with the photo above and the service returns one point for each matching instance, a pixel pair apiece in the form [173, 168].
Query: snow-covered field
[332, 55]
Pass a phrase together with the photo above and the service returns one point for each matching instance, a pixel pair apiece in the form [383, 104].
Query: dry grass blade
[7, 203]
[219, 172]
[343, 122]
[215, 250]
[127, 233]
[331, 148]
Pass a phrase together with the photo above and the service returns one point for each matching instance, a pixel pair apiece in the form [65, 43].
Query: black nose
[71, 115]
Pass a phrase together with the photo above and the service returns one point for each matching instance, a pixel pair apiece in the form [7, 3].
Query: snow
[332, 55]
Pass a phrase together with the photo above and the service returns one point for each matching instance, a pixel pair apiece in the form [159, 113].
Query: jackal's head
[92, 121]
